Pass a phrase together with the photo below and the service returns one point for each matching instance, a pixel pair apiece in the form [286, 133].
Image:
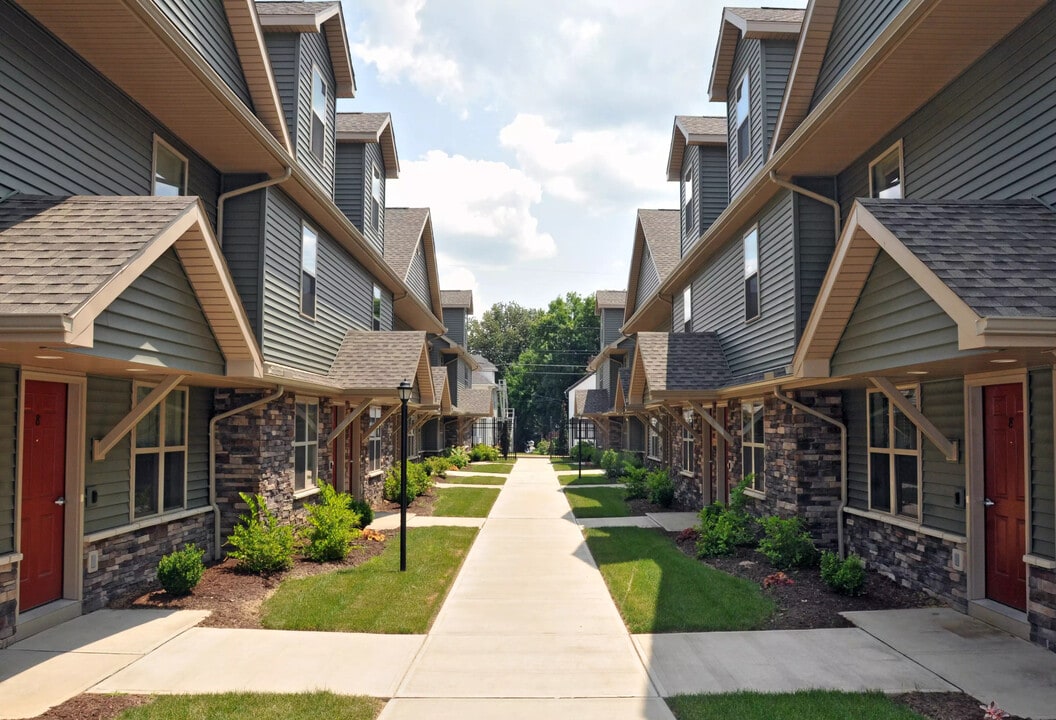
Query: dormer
[654, 256]
[609, 306]
[458, 306]
[753, 57]
[410, 251]
[308, 48]
[366, 158]
[697, 160]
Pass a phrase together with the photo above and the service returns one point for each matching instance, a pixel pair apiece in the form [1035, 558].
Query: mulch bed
[641, 506]
[944, 706]
[94, 707]
[421, 505]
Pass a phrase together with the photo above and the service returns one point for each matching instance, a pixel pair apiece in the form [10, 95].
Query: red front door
[43, 482]
[1003, 448]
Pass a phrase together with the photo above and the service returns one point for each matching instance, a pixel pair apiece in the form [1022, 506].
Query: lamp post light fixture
[404, 390]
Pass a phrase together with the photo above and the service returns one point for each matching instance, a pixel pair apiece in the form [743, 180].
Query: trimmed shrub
[262, 544]
[584, 449]
[786, 544]
[610, 461]
[332, 526]
[543, 448]
[418, 482]
[437, 466]
[716, 532]
[846, 577]
[457, 455]
[637, 483]
[661, 488]
[364, 510]
[181, 570]
[483, 453]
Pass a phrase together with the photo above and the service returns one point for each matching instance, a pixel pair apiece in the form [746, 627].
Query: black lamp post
[405, 394]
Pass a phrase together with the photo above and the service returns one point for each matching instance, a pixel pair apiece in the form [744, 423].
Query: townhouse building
[861, 319]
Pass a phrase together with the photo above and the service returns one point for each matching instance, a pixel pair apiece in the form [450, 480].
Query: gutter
[242, 191]
[843, 461]
[212, 459]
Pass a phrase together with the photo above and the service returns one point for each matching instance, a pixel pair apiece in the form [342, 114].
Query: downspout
[843, 460]
[212, 459]
[836, 210]
[242, 191]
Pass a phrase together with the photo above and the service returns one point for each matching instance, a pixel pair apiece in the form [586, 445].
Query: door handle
[988, 503]
[61, 501]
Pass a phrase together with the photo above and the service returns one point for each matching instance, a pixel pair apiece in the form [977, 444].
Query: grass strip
[229, 706]
[597, 502]
[658, 588]
[464, 502]
[474, 480]
[803, 705]
[501, 468]
[570, 466]
[376, 597]
[574, 479]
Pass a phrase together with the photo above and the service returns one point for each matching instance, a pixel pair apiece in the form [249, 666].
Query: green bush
[457, 455]
[636, 479]
[364, 510]
[418, 482]
[661, 488]
[437, 465]
[786, 544]
[180, 570]
[262, 544]
[611, 462]
[584, 449]
[721, 529]
[738, 498]
[483, 453]
[543, 448]
[846, 577]
[332, 526]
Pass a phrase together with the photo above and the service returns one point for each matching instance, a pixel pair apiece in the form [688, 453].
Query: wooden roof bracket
[677, 417]
[948, 448]
[378, 423]
[347, 420]
[420, 422]
[101, 447]
[710, 420]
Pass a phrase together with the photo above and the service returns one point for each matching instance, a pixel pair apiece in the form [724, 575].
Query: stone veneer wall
[1041, 606]
[910, 558]
[689, 494]
[374, 482]
[129, 561]
[8, 595]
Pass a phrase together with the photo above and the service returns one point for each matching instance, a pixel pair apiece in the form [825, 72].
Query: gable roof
[457, 299]
[592, 402]
[324, 17]
[375, 363]
[988, 264]
[751, 23]
[64, 260]
[441, 390]
[677, 365]
[657, 230]
[475, 402]
[406, 231]
[371, 128]
[693, 130]
[604, 299]
[483, 363]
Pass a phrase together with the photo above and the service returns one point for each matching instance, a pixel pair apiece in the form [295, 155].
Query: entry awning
[675, 366]
[475, 402]
[989, 265]
[375, 363]
[441, 390]
[593, 402]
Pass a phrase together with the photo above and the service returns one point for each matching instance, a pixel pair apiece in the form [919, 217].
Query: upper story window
[309, 252]
[170, 170]
[376, 308]
[753, 444]
[687, 204]
[375, 195]
[306, 444]
[159, 442]
[894, 456]
[687, 309]
[744, 129]
[885, 174]
[751, 274]
[318, 112]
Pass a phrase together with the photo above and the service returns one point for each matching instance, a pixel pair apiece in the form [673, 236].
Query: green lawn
[229, 706]
[501, 468]
[475, 480]
[804, 705]
[596, 502]
[464, 502]
[574, 479]
[658, 588]
[567, 466]
[376, 597]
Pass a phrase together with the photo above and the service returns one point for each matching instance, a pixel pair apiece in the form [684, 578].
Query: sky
[534, 130]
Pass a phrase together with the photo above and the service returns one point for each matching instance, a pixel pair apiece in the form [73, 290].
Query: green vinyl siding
[943, 404]
[109, 400]
[815, 240]
[158, 321]
[199, 412]
[894, 324]
[856, 417]
[8, 456]
[1042, 475]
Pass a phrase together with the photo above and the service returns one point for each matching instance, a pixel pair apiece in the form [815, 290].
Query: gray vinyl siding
[677, 313]
[690, 230]
[943, 404]
[388, 316]
[348, 181]
[603, 376]
[66, 130]
[109, 400]
[648, 279]
[464, 374]
[1042, 472]
[8, 456]
[204, 24]
[815, 242]
[314, 51]
[714, 184]
[455, 322]
[243, 226]
[858, 23]
[990, 134]
[611, 322]
[375, 234]
[344, 292]
[768, 342]
[856, 417]
[158, 320]
[200, 409]
[284, 54]
[418, 278]
[777, 56]
[894, 324]
[748, 58]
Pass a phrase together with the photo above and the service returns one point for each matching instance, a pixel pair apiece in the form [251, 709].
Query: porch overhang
[671, 367]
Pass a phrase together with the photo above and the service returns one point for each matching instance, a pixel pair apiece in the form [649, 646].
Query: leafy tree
[502, 333]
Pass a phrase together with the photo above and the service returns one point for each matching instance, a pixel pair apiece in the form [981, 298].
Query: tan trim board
[101, 447]
[378, 423]
[949, 448]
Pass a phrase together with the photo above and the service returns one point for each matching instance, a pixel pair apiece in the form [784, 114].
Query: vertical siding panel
[856, 416]
[1042, 471]
[943, 404]
[777, 62]
[455, 322]
[199, 411]
[243, 224]
[348, 181]
[613, 321]
[714, 186]
[815, 242]
[648, 279]
[747, 59]
[284, 50]
[109, 400]
[418, 277]
[8, 455]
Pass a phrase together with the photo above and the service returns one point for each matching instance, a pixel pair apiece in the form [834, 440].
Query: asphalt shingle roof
[377, 359]
[291, 8]
[366, 123]
[702, 125]
[485, 364]
[610, 299]
[683, 361]
[457, 299]
[439, 381]
[754, 14]
[403, 230]
[663, 236]
[998, 256]
[474, 401]
[592, 402]
[56, 252]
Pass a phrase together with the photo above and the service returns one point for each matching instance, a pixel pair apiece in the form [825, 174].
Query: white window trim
[689, 439]
[374, 414]
[375, 197]
[314, 274]
[892, 452]
[158, 140]
[689, 219]
[897, 146]
[311, 109]
[308, 489]
[160, 451]
[745, 80]
[758, 275]
[653, 431]
[761, 444]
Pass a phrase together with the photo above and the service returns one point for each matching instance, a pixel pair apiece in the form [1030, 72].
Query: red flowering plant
[777, 578]
[993, 712]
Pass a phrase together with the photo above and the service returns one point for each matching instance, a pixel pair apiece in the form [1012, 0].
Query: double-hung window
[375, 198]
[374, 441]
[170, 170]
[688, 220]
[885, 174]
[689, 456]
[309, 254]
[159, 444]
[753, 444]
[742, 118]
[319, 103]
[894, 457]
[655, 449]
[306, 445]
[376, 308]
[751, 274]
